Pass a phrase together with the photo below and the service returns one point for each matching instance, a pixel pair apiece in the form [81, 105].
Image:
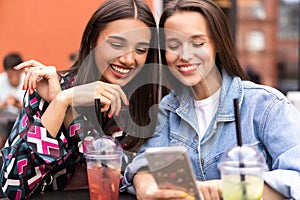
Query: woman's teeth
[120, 70]
[188, 68]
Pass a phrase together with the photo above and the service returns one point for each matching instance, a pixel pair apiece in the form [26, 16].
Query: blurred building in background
[266, 34]
[289, 45]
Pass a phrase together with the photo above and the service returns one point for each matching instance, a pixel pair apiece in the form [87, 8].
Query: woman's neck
[208, 86]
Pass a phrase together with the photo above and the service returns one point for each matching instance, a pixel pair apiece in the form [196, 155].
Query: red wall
[44, 30]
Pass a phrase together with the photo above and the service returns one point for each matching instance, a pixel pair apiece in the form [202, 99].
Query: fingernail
[15, 67]
[109, 116]
[127, 103]
[190, 198]
[118, 114]
[23, 87]
[184, 194]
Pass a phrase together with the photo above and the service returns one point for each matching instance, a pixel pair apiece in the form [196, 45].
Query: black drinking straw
[98, 114]
[239, 139]
[237, 122]
[98, 111]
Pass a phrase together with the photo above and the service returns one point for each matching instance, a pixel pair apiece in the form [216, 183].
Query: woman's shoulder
[254, 89]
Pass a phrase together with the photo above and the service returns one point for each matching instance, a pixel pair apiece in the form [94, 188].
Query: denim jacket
[269, 122]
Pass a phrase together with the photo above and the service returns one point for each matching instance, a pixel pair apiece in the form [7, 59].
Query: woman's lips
[120, 72]
[188, 69]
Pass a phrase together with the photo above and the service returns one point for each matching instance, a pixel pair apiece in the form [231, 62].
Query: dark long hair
[226, 56]
[142, 98]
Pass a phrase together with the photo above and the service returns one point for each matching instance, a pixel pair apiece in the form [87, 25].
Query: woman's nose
[127, 59]
[186, 53]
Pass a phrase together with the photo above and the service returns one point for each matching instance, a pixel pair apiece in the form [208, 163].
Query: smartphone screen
[171, 169]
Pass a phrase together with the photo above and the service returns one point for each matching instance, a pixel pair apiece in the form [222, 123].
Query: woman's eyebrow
[122, 39]
[144, 43]
[117, 38]
[172, 40]
[201, 36]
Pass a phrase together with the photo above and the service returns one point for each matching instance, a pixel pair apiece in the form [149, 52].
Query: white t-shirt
[7, 89]
[206, 110]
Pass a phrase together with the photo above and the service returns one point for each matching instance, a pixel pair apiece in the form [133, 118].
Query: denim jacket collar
[231, 88]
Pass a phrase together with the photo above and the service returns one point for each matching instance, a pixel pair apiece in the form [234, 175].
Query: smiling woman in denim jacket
[117, 63]
[199, 113]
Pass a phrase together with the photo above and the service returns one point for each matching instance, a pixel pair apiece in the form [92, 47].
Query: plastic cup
[242, 171]
[103, 158]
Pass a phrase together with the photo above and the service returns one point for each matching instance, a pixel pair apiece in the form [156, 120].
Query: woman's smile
[120, 71]
[188, 68]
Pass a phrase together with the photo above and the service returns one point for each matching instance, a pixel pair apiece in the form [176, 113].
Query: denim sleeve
[159, 138]
[280, 134]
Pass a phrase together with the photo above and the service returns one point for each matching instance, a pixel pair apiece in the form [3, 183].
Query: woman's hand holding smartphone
[171, 169]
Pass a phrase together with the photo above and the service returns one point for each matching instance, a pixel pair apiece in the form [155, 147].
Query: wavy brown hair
[142, 98]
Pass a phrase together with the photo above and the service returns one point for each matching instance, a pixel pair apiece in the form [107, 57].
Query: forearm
[270, 194]
[71, 114]
[58, 107]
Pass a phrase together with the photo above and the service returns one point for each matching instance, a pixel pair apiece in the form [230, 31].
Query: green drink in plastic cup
[242, 171]
[233, 187]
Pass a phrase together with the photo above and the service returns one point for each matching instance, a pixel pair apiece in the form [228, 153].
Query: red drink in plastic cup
[103, 183]
[103, 159]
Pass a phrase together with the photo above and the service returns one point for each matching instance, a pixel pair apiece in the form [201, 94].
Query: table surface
[74, 194]
[71, 194]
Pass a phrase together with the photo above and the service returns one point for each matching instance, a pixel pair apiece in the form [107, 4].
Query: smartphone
[171, 169]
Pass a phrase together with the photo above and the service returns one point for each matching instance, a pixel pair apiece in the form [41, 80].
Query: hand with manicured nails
[109, 94]
[40, 77]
